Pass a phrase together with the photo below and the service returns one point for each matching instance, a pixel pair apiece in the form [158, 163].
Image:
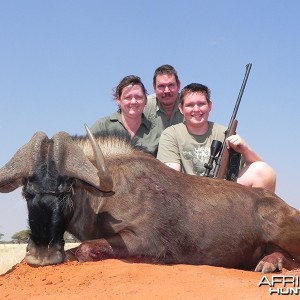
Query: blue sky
[60, 60]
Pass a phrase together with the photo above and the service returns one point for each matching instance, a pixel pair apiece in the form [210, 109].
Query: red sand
[115, 279]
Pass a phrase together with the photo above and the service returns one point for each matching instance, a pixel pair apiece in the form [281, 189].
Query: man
[186, 147]
[162, 107]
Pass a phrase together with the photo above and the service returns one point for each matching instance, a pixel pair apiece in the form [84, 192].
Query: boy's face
[195, 109]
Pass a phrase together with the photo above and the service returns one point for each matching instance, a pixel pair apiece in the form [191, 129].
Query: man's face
[166, 89]
[195, 109]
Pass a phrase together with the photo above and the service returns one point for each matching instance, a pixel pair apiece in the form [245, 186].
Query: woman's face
[132, 101]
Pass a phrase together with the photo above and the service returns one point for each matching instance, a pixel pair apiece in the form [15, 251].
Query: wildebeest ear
[22, 163]
[71, 161]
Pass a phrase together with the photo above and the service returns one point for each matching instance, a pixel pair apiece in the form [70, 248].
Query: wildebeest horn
[100, 161]
[71, 161]
[22, 163]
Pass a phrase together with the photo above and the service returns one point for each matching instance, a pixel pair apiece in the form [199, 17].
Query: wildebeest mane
[112, 143]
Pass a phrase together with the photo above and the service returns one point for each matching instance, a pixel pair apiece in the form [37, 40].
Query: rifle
[228, 161]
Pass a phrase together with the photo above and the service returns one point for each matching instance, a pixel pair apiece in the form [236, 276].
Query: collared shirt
[154, 112]
[146, 137]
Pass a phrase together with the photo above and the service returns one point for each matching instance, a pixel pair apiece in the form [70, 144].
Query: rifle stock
[222, 163]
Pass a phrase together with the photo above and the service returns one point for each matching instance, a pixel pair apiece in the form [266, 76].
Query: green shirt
[154, 112]
[146, 137]
[191, 151]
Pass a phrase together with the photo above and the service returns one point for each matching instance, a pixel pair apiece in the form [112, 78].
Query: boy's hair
[195, 88]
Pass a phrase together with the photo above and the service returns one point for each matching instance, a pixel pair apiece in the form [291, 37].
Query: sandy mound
[115, 279]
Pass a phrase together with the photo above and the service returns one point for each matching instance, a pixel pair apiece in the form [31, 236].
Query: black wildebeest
[123, 203]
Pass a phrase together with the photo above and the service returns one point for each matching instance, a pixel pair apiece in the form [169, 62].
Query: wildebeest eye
[27, 195]
[66, 185]
[28, 190]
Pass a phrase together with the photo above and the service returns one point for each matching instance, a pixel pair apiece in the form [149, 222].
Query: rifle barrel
[239, 98]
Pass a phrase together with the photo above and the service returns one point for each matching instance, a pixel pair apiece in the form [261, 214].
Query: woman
[131, 97]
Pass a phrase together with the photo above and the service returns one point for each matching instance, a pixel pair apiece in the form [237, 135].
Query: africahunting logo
[281, 284]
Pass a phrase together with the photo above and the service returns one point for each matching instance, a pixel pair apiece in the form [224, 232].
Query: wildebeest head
[47, 168]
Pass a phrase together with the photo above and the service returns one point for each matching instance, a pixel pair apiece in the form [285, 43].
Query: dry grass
[11, 254]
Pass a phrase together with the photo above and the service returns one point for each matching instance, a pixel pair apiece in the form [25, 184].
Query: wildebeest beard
[48, 197]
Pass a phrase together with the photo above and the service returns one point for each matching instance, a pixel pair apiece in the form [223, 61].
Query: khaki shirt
[177, 145]
[146, 137]
[154, 112]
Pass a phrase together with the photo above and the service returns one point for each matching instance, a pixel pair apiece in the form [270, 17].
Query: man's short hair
[165, 69]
